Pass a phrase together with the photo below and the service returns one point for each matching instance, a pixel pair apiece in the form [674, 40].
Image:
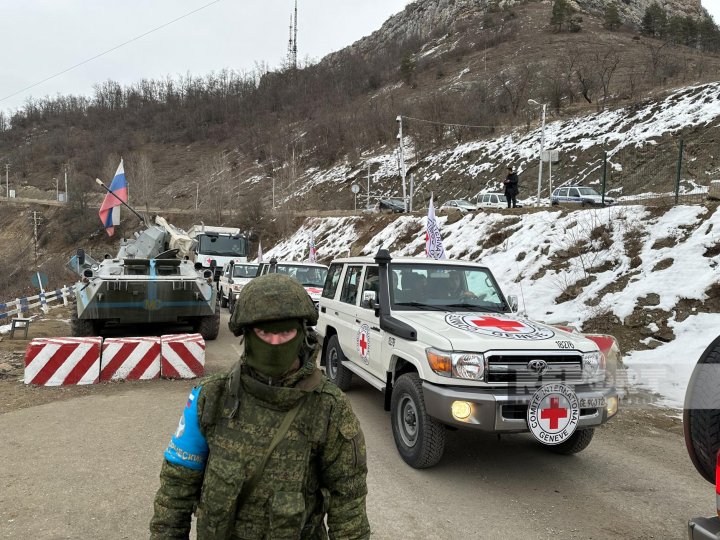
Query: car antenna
[522, 294]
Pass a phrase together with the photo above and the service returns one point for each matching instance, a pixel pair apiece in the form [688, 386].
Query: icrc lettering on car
[441, 341]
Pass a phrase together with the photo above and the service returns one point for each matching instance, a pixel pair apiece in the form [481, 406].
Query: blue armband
[188, 447]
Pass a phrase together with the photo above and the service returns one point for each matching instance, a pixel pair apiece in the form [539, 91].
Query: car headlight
[459, 365]
[593, 365]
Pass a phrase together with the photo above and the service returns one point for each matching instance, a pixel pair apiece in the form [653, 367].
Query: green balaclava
[273, 360]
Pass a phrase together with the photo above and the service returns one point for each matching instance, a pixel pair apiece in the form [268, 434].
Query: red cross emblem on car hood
[506, 325]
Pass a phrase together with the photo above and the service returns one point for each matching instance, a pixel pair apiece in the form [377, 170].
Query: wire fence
[680, 172]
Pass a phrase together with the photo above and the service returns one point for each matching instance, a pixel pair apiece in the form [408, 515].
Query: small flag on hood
[118, 194]
[260, 255]
[312, 255]
[433, 240]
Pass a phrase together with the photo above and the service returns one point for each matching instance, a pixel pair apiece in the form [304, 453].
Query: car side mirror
[213, 264]
[513, 303]
[230, 281]
[81, 256]
[369, 299]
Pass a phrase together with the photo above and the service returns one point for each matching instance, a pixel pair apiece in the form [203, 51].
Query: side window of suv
[349, 291]
[574, 192]
[331, 281]
[370, 283]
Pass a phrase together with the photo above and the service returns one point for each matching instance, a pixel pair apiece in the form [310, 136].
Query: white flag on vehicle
[312, 253]
[433, 240]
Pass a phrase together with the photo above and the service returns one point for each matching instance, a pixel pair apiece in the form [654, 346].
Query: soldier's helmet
[271, 297]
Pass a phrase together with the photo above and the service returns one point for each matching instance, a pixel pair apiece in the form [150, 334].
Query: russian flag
[110, 209]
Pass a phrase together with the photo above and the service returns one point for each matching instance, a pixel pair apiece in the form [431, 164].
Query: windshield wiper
[421, 305]
[477, 307]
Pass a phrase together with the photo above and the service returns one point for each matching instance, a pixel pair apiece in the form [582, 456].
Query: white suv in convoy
[310, 275]
[233, 278]
[446, 347]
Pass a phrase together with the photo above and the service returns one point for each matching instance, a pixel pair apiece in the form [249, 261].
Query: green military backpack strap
[252, 482]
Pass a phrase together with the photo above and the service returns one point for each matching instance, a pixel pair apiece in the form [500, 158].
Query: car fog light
[461, 410]
[612, 406]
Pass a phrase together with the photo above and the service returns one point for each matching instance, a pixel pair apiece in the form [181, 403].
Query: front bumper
[704, 528]
[503, 410]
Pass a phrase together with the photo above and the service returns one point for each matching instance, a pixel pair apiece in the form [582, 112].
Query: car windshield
[308, 276]
[450, 287]
[225, 245]
[465, 204]
[244, 270]
[588, 191]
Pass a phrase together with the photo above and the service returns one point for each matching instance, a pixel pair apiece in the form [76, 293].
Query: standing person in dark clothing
[511, 187]
[271, 449]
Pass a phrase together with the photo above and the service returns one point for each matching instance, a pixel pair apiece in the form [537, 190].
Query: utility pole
[367, 199]
[66, 191]
[295, 39]
[542, 147]
[7, 181]
[57, 191]
[402, 161]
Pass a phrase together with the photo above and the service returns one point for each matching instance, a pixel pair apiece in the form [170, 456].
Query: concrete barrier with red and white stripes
[183, 356]
[134, 358]
[63, 361]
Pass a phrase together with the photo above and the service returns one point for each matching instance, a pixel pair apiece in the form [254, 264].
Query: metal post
[542, 149]
[604, 177]
[550, 173]
[402, 162]
[7, 181]
[412, 190]
[197, 194]
[367, 199]
[57, 191]
[66, 191]
[679, 170]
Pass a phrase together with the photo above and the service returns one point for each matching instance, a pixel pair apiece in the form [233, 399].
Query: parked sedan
[458, 204]
[584, 196]
[391, 205]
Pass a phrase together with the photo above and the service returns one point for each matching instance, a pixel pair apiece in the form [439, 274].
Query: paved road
[88, 468]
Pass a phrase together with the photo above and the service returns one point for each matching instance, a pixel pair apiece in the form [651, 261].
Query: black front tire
[420, 439]
[577, 442]
[701, 412]
[209, 326]
[80, 327]
[335, 371]
[223, 299]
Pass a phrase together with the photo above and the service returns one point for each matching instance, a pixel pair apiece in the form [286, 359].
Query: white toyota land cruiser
[446, 347]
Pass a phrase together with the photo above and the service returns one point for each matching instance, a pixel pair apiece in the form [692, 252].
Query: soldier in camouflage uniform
[272, 448]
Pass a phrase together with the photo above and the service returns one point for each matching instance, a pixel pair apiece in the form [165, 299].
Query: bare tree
[606, 63]
[140, 170]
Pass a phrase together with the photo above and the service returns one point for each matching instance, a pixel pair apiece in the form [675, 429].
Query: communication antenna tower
[292, 42]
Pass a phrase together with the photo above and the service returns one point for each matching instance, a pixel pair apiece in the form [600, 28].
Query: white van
[491, 200]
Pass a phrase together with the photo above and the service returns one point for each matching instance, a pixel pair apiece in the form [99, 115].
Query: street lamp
[542, 146]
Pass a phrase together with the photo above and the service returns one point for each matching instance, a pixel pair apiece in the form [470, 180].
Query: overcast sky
[44, 37]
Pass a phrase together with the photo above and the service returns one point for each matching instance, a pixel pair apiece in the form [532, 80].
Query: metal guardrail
[43, 300]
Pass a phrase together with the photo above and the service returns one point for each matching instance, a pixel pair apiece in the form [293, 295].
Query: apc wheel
[209, 326]
[223, 299]
[339, 375]
[577, 442]
[80, 327]
[420, 439]
[231, 304]
[701, 412]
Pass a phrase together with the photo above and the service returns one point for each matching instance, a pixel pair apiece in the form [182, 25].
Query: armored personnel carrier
[152, 279]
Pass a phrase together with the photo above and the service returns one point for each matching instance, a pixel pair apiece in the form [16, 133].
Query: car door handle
[375, 328]
[322, 309]
[357, 321]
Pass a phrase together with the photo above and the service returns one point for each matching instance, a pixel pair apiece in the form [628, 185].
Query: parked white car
[310, 275]
[584, 196]
[233, 278]
[492, 200]
[458, 204]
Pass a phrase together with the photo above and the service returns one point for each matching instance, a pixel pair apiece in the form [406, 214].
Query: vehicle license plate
[592, 403]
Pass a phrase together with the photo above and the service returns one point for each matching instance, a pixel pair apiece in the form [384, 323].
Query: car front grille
[514, 369]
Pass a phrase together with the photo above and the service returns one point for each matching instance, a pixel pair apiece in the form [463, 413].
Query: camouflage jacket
[318, 469]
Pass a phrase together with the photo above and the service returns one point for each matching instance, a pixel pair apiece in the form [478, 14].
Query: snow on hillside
[613, 130]
[541, 256]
